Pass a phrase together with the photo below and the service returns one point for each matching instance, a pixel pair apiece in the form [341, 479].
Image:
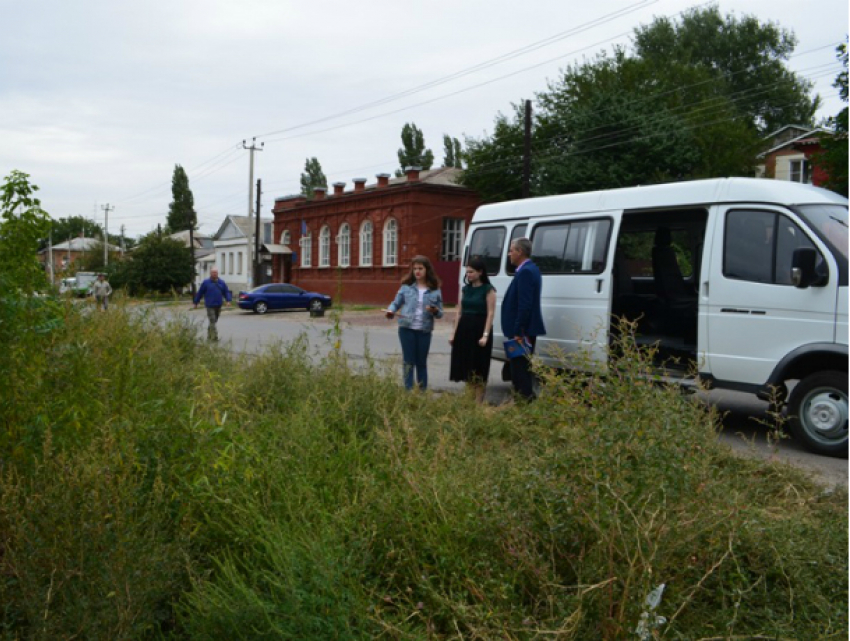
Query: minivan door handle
[598, 285]
[705, 288]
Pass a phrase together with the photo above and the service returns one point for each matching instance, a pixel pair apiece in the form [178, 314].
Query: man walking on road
[215, 293]
[101, 290]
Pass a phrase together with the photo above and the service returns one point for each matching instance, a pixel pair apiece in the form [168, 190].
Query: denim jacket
[405, 305]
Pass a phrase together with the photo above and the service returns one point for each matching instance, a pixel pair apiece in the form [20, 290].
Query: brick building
[792, 154]
[360, 242]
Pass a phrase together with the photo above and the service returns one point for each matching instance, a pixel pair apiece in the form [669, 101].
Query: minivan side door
[572, 254]
[751, 315]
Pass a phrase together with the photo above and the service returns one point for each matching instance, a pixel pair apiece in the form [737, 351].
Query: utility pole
[106, 208]
[50, 257]
[252, 149]
[526, 155]
[122, 241]
[256, 265]
[192, 252]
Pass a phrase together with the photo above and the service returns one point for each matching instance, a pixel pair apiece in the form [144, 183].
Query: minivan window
[517, 232]
[830, 222]
[759, 246]
[488, 244]
[571, 248]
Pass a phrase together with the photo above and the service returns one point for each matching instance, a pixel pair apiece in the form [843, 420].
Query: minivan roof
[680, 194]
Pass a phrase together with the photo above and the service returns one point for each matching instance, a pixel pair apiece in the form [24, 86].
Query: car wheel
[818, 412]
[316, 305]
[261, 307]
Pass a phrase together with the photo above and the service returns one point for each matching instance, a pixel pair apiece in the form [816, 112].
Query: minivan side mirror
[803, 268]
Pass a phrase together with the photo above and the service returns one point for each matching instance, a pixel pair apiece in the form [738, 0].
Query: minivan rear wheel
[818, 412]
[261, 307]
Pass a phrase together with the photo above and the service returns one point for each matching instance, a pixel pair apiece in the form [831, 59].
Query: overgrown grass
[156, 487]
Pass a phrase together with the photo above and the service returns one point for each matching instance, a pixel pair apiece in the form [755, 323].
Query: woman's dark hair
[479, 265]
[431, 279]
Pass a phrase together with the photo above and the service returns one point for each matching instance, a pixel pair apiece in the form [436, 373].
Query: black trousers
[522, 378]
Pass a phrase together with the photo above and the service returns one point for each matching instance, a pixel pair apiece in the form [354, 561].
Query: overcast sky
[100, 99]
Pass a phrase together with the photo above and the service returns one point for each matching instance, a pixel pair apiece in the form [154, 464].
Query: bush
[155, 486]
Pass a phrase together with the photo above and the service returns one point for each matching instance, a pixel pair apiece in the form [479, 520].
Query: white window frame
[239, 263]
[343, 246]
[454, 230]
[306, 243]
[230, 263]
[803, 168]
[390, 243]
[366, 243]
[285, 238]
[325, 247]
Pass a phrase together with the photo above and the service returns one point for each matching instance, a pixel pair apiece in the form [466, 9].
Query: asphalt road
[370, 333]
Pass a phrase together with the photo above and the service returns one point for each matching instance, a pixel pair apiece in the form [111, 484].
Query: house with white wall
[231, 245]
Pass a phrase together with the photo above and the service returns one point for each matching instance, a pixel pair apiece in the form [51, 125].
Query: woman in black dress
[471, 341]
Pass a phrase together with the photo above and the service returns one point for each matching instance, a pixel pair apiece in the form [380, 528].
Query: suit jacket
[521, 315]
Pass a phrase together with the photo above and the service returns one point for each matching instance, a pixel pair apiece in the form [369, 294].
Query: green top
[474, 300]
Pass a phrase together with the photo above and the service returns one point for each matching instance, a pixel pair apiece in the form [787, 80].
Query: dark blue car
[282, 296]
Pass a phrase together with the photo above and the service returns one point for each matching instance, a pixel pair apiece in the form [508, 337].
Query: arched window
[325, 247]
[286, 238]
[366, 244]
[343, 246]
[306, 248]
[390, 243]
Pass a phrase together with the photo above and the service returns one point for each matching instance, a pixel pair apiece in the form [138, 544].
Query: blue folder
[515, 348]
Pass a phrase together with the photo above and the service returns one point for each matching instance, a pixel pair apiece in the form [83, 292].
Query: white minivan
[746, 278]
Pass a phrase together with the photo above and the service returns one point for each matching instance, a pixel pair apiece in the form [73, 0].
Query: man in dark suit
[521, 315]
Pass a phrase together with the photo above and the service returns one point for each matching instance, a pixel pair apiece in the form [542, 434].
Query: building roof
[242, 224]
[202, 241]
[81, 244]
[809, 136]
[442, 176]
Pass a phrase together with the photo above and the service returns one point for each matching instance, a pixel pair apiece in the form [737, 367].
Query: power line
[478, 67]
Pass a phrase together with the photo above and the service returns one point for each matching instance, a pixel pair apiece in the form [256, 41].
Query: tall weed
[168, 489]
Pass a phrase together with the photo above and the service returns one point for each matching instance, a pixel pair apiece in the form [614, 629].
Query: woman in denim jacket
[418, 302]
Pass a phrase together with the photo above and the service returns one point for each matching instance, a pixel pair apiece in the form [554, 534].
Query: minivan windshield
[830, 223]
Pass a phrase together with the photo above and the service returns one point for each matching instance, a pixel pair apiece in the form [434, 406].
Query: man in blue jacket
[215, 293]
[522, 318]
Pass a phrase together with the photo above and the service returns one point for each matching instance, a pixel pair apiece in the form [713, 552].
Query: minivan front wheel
[316, 305]
[818, 412]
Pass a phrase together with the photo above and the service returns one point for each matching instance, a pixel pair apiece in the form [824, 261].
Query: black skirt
[470, 361]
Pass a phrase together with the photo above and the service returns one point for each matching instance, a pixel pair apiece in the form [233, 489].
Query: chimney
[339, 188]
[383, 180]
[412, 174]
[319, 193]
[359, 184]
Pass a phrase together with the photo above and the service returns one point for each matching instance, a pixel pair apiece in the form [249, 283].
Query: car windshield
[830, 223]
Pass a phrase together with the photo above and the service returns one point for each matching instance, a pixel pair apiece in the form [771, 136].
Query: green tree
[834, 157]
[312, 177]
[452, 152]
[22, 224]
[92, 259]
[494, 163]
[413, 152]
[671, 111]
[72, 227]
[744, 57]
[159, 264]
[181, 211]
